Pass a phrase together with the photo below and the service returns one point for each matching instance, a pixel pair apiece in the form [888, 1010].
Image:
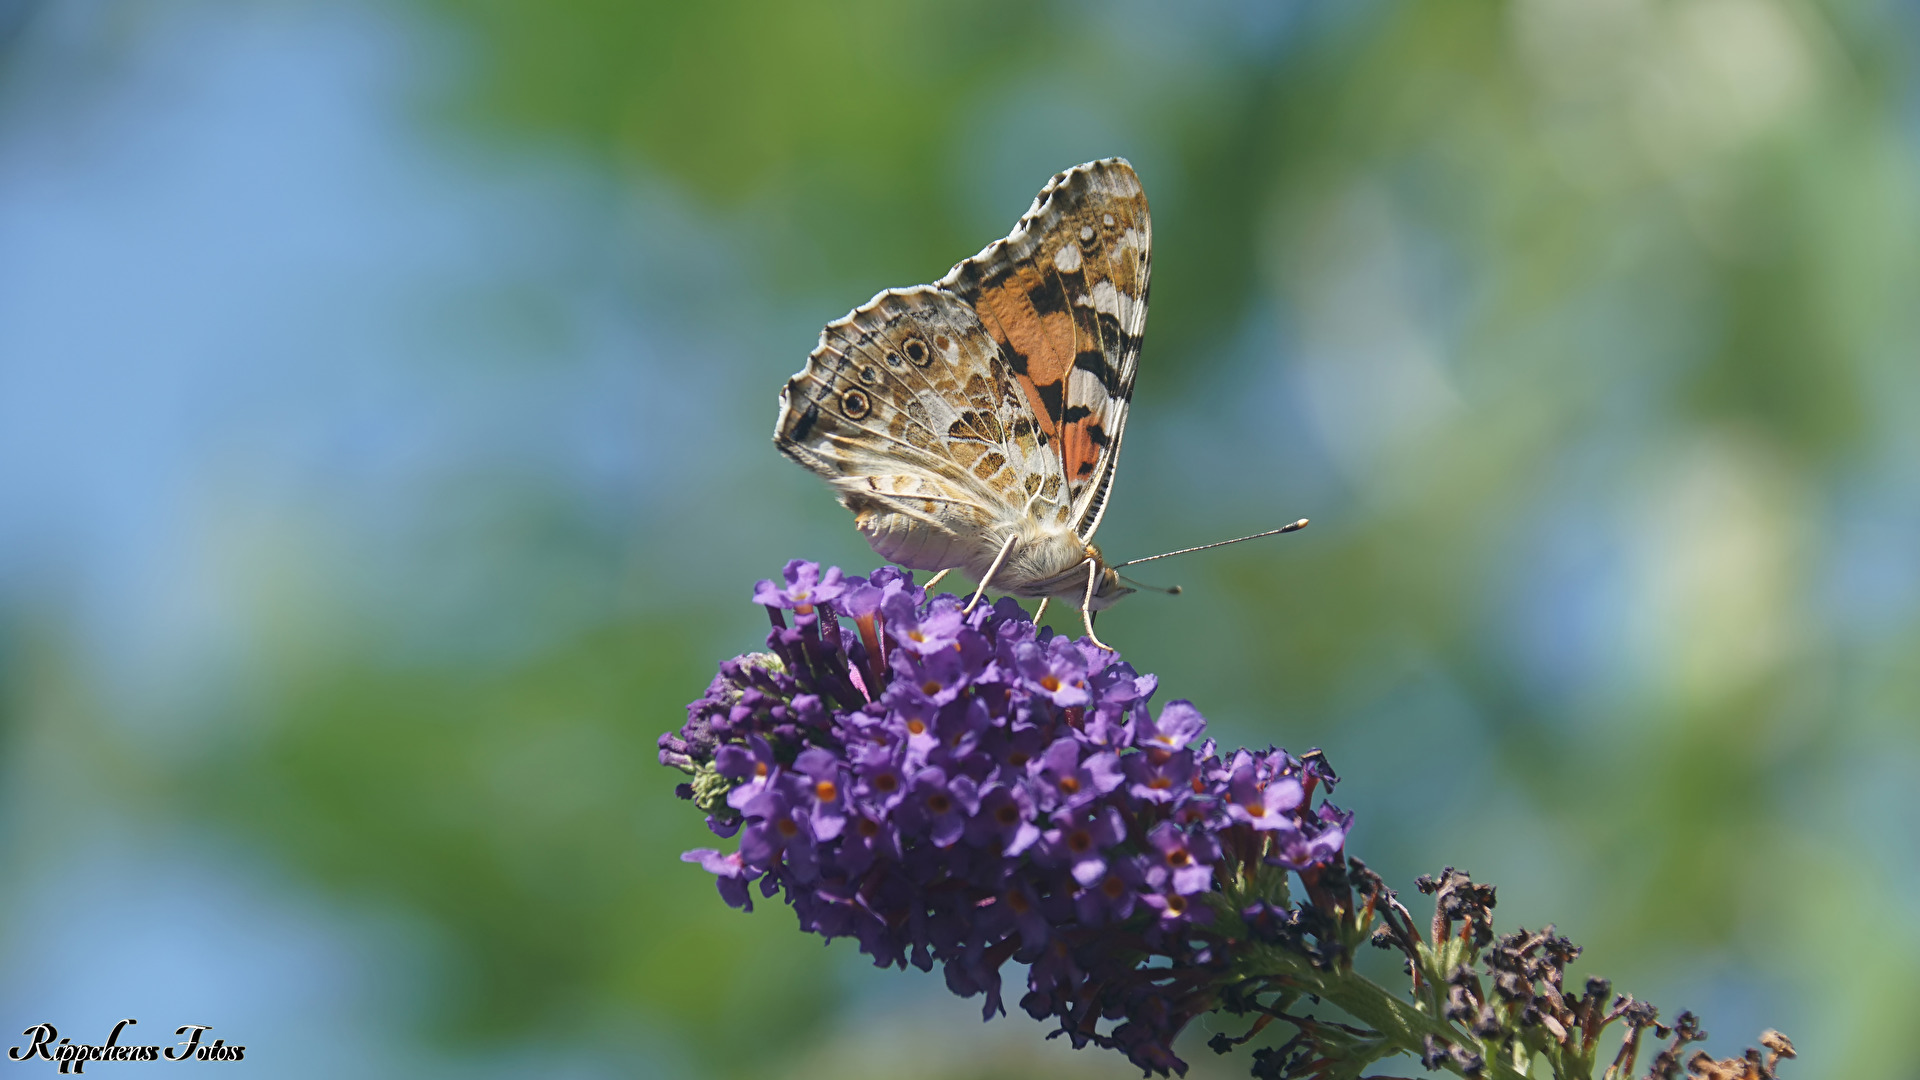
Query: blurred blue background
[385, 393]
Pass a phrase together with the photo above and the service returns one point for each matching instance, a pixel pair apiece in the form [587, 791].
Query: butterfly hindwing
[1065, 297]
[908, 407]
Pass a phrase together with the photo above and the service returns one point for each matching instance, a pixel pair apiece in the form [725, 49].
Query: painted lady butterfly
[975, 423]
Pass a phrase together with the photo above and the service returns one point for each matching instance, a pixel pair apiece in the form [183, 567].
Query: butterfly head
[1108, 588]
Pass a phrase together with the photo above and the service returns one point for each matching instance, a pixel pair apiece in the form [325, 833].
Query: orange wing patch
[1037, 333]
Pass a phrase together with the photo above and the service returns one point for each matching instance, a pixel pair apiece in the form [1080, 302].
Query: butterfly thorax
[1046, 559]
[1058, 568]
[1039, 557]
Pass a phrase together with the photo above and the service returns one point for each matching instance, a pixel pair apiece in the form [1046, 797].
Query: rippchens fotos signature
[44, 1042]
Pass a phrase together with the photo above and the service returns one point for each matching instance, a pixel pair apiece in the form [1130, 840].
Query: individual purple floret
[806, 586]
[964, 788]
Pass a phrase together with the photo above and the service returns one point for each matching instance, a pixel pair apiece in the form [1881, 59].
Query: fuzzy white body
[1045, 560]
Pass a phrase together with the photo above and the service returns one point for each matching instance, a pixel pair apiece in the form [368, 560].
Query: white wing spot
[1108, 218]
[1067, 259]
[1106, 298]
[1084, 385]
[1086, 232]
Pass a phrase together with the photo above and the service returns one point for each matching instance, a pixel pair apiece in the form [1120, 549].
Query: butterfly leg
[935, 579]
[1041, 611]
[1005, 550]
[1086, 606]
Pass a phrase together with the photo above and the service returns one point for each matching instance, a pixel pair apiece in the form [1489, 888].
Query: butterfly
[975, 423]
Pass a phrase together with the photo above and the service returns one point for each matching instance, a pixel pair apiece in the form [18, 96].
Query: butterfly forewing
[1065, 297]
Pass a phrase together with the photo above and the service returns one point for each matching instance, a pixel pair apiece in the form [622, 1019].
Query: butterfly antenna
[1295, 527]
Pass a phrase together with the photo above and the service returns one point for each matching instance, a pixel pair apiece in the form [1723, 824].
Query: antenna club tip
[1301, 524]
[1173, 590]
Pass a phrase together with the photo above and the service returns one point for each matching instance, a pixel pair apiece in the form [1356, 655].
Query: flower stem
[1396, 1025]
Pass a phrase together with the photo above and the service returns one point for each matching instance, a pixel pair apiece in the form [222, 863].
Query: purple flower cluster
[963, 787]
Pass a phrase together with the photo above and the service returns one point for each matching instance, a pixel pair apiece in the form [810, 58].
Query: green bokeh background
[1584, 331]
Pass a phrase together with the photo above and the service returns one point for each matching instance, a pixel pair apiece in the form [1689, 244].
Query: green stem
[1400, 1025]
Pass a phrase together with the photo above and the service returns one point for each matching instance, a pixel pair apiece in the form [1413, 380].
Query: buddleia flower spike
[954, 786]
